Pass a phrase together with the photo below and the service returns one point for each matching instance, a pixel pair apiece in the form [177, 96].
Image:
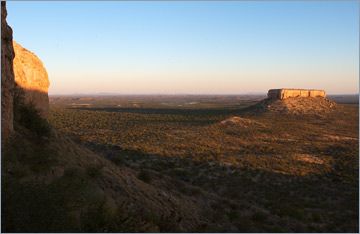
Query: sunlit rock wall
[31, 75]
[290, 93]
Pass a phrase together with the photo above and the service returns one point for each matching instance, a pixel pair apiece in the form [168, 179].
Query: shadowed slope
[52, 184]
[7, 76]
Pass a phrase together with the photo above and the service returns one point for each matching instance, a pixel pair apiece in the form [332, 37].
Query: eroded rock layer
[7, 76]
[275, 94]
[31, 75]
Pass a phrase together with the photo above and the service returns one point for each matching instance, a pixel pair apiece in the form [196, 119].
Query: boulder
[31, 76]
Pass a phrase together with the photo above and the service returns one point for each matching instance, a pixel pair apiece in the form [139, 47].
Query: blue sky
[192, 47]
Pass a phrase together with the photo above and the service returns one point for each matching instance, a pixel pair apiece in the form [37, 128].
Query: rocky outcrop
[31, 75]
[26, 70]
[7, 77]
[275, 94]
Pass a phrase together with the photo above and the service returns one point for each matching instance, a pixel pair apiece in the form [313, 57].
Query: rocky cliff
[281, 94]
[31, 75]
[7, 76]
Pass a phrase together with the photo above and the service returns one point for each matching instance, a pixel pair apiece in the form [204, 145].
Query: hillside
[298, 106]
[71, 189]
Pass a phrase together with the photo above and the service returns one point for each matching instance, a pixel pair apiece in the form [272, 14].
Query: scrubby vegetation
[208, 166]
[26, 115]
[287, 144]
[283, 172]
[301, 168]
[42, 189]
[52, 184]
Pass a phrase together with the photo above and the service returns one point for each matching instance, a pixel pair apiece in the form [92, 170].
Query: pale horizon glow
[192, 47]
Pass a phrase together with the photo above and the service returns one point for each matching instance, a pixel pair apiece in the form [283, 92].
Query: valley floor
[193, 164]
[292, 173]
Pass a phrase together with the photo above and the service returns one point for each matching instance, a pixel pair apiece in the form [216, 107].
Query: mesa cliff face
[7, 77]
[280, 94]
[31, 76]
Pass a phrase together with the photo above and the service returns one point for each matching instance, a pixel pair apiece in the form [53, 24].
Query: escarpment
[7, 76]
[31, 76]
[280, 94]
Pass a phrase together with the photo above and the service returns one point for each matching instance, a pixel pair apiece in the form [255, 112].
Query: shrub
[27, 115]
[144, 176]
[315, 217]
[118, 160]
[288, 210]
[193, 191]
[259, 217]
[233, 215]
[94, 171]
[31, 155]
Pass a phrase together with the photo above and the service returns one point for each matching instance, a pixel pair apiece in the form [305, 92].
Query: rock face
[31, 75]
[276, 94]
[7, 77]
[28, 72]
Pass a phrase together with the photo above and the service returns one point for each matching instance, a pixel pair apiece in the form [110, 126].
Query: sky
[192, 47]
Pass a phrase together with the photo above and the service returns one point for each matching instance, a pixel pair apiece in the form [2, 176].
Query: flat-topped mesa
[280, 94]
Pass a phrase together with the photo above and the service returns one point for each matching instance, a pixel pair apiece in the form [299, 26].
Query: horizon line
[172, 94]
